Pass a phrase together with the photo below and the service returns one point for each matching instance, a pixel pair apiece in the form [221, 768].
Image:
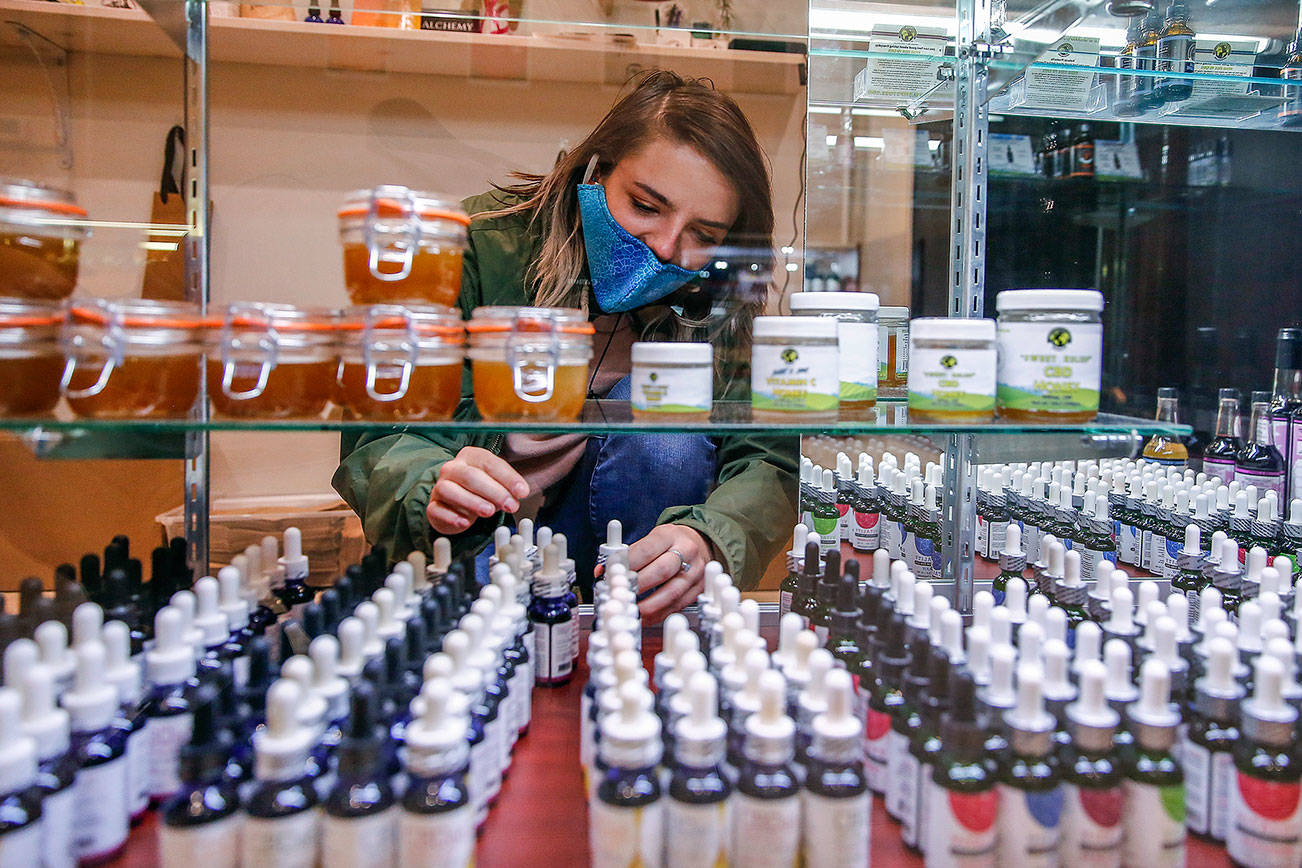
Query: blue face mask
[626, 274]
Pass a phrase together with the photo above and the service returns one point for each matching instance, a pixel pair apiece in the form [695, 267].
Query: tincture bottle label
[450, 834]
[623, 837]
[784, 603]
[829, 536]
[952, 381]
[213, 845]
[698, 835]
[138, 770]
[794, 379]
[285, 842]
[1265, 822]
[1208, 778]
[102, 810]
[865, 531]
[552, 651]
[1028, 826]
[765, 831]
[836, 830]
[983, 536]
[877, 730]
[961, 828]
[998, 538]
[926, 557]
[21, 846]
[58, 837]
[347, 841]
[1050, 367]
[1128, 539]
[1091, 830]
[1175, 54]
[1295, 435]
[906, 774]
[1219, 468]
[1264, 482]
[164, 737]
[1154, 823]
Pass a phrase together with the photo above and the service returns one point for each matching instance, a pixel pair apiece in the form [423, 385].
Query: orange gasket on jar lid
[29, 320]
[52, 207]
[81, 315]
[530, 325]
[389, 208]
[397, 324]
[271, 322]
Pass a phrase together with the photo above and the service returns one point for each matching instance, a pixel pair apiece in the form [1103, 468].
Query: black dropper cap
[349, 588]
[916, 676]
[10, 627]
[136, 580]
[431, 614]
[959, 730]
[869, 634]
[443, 595]
[1288, 350]
[314, 622]
[846, 612]
[118, 606]
[33, 607]
[116, 554]
[825, 594]
[91, 578]
[253, 696]
[374, 673]
[936, 701]
[68, 593]
[361, 752]
[202, 760]
[809, 572]
[182, 572]
[416, 647]
[893, 656]
[852, 569]
[331, 610]
[401, 685]
[373, 573]
[162, 582]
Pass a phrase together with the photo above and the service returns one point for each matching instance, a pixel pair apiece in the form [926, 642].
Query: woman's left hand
[671, 561]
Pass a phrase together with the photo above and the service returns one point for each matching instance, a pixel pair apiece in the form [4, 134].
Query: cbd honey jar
[401, 363]
[529, 363]
[31, 361]
[40, 240]
[132, 359]
[273, 361]
[402, 245]
[1050, 354]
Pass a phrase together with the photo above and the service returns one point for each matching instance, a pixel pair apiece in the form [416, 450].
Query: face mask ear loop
[591, 170]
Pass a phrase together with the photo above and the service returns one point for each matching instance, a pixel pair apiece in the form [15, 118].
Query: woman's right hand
[473, 485]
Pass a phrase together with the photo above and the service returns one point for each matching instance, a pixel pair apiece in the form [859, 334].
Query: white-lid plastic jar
[672, 381]
[892, 351]
[1050, 354]
[856, 332]
[794, 368]
[952, 370]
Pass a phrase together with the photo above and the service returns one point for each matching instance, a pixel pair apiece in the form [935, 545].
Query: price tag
[912, 70]
[1056, 87]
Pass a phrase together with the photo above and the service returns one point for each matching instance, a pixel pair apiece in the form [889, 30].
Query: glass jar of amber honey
[402, 245]
[31, 361]
[401, 363]
[132, 358]
[273, 361]
[530, 363]
[41, 230]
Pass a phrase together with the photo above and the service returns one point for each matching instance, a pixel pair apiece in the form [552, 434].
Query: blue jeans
[631, 477]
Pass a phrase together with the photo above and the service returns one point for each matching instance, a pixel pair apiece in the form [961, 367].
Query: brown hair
[685, 110]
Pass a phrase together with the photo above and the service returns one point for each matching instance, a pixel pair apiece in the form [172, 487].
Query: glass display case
[931, 154]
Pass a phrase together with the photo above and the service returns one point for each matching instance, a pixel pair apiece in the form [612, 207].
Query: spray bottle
[1155, 809]
[766, 806]
[201, 822]
[626, 814]
[697, 813]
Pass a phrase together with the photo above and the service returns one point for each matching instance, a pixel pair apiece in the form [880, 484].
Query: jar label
[210, 844]
[673, 389]
[1028, 826]
[360, 840]
[1265, 822]
[1050, 368]
[857, 360]
[765, 831]
[952, 381]
[790, 378]
[622, 837]
[58, 816]
[102, 809]
[1091, 830]
[698, 834]
[164, 737]
[1154, 821]
[836, 830]
[285, 842]
[961, 828]
[450, 834]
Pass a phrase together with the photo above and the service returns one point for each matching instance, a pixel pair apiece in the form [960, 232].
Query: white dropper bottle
[102, 792]
[169, 666]
[282, 822]
[49, 728]
[123, 672]
[437, 762]
[23, 845]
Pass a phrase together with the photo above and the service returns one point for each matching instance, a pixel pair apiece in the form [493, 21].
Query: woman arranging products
[618, 229]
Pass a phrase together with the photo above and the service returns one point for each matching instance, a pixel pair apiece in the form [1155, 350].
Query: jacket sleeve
[750, 512]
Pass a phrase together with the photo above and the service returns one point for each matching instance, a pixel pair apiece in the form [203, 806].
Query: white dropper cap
[91, 701]
[881, 572]
[1028, 715]
[1120, 619]
[312, 708]
[184, 602]
[170, 660]
[404, 601]
[797, 674]
[1013, 542]
[769, 732]
[898, 569]
[1219, 679]
[1209, 600]
[208, 616]
[674, 626]
[1046, 544]
[614, 549]
[837, 729]
[789, 630]
[43, 721]
[630, 738]
[1193, 535]
[951, 633]
[387, 624]
[750, 615]
[1055, 624]
[119, 669]
[1057, 558]
[232, 602]
[352, 641]
[724, 652]
[436, 739]
[1036, 608]
[1154, 707]
[813, 696]
[294, 562]
[904, 593]
[1071, 570]
[700, 736]
[1281, 649]
[281, 747]
[999, 692]
[17, 752]
[1271, 581]
[87, 622]
[1015, 600]
[1001, 627]
[983, 603]
[921, 617]
[270, 552]
[799, 536]
[52, 641]
[1148, 593]
[1030, 640]
[1116, 657]
[1273, 628]
[978, 654]
[1267, 703]
[1177, 609]
[1164, 644]
[369, 615]
[1089, 638]
[1229, 560]
[327, 683]
[1091, 708]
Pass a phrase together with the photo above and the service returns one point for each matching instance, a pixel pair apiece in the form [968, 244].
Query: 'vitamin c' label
[794, 378]
[1265, 822]
[1050, 368]
[624, 837]
[952, 381]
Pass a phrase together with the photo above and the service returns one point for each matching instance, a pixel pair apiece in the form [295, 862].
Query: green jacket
[386, 475]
